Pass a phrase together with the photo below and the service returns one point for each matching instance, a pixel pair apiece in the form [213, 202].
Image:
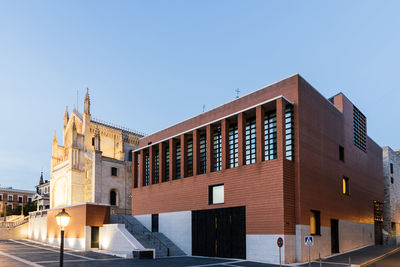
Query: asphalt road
[392, 260]
[23, 253]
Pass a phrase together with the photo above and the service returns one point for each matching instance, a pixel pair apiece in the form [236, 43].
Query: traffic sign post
[309, 241]
[279, 242]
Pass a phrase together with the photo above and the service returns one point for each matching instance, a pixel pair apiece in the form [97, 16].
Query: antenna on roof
[237, 92]
[204, 107]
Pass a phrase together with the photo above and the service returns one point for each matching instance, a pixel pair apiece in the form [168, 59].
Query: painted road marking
[218, 263]
[28, 252]
[335, 263]
[112, 259]
[53, 250]
[20, 259]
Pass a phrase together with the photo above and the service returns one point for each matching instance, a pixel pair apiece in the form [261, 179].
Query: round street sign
[280, 242]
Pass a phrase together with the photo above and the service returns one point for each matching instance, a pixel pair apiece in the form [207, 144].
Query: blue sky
[150, 64]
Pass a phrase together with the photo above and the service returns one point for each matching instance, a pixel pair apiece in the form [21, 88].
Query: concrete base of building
[264, 248]
[177, 226]
[352, 235]
[114, 237]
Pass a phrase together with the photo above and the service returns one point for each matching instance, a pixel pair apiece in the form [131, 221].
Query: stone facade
[93, 165]
[391, 171]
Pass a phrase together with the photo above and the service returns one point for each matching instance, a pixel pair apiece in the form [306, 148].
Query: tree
[29, 207]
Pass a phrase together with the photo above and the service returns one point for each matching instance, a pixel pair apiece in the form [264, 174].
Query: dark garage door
[219, 232]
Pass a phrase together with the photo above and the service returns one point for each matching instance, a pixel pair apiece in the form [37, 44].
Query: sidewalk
[360, 257]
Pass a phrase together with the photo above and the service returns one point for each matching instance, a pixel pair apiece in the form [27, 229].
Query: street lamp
[62, 221]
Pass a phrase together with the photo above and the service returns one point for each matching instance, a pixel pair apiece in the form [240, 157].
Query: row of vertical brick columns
[196, 162]
[224, 143]
[260, 134]
[183, 155]
[280, 128]
[139, 173]
[161, 162]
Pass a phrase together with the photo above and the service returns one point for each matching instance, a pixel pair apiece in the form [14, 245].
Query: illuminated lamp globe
[62, 218]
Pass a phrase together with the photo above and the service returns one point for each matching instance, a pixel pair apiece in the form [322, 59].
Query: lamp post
[5, 210]
[62, 221]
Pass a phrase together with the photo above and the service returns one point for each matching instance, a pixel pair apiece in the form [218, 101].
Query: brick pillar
[241, 138]
[209, 148]
[260, 133]
[172, 159]
[141, 168]
[151, 165]
[135, 169]
[183, 156]
[224, 143]
[161, 162]
[196, 162]
[280, 127]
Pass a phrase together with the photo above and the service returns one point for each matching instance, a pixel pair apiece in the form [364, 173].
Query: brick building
[13, 198]
[282, 161]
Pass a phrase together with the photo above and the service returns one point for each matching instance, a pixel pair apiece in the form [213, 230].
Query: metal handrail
[15, 223]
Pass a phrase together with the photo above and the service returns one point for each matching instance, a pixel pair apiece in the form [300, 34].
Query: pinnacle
[87, 93]
[66, 111]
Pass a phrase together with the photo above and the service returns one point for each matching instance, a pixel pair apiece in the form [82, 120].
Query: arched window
[113, 198]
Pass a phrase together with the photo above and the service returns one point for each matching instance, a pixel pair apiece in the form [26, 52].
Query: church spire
[41, 179]
[87, 102]
[66, 116]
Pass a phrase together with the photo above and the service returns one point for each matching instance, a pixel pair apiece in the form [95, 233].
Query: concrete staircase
[164, 246]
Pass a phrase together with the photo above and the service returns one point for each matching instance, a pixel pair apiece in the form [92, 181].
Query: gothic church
[94, 163]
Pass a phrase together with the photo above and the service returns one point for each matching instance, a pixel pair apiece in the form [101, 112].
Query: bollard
[349, 261]
[320, 262]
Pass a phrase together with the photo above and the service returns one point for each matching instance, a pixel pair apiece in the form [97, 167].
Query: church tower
[90, 164]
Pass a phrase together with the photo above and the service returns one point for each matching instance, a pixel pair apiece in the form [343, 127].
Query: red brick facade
[279, 193]
[16, 201]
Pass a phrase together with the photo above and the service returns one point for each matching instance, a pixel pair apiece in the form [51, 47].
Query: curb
[380, 257]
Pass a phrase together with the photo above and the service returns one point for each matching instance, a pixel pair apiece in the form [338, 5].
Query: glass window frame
[217, 149]
[202, 154]
[233, 145]
[270, 136]
[250, 141]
